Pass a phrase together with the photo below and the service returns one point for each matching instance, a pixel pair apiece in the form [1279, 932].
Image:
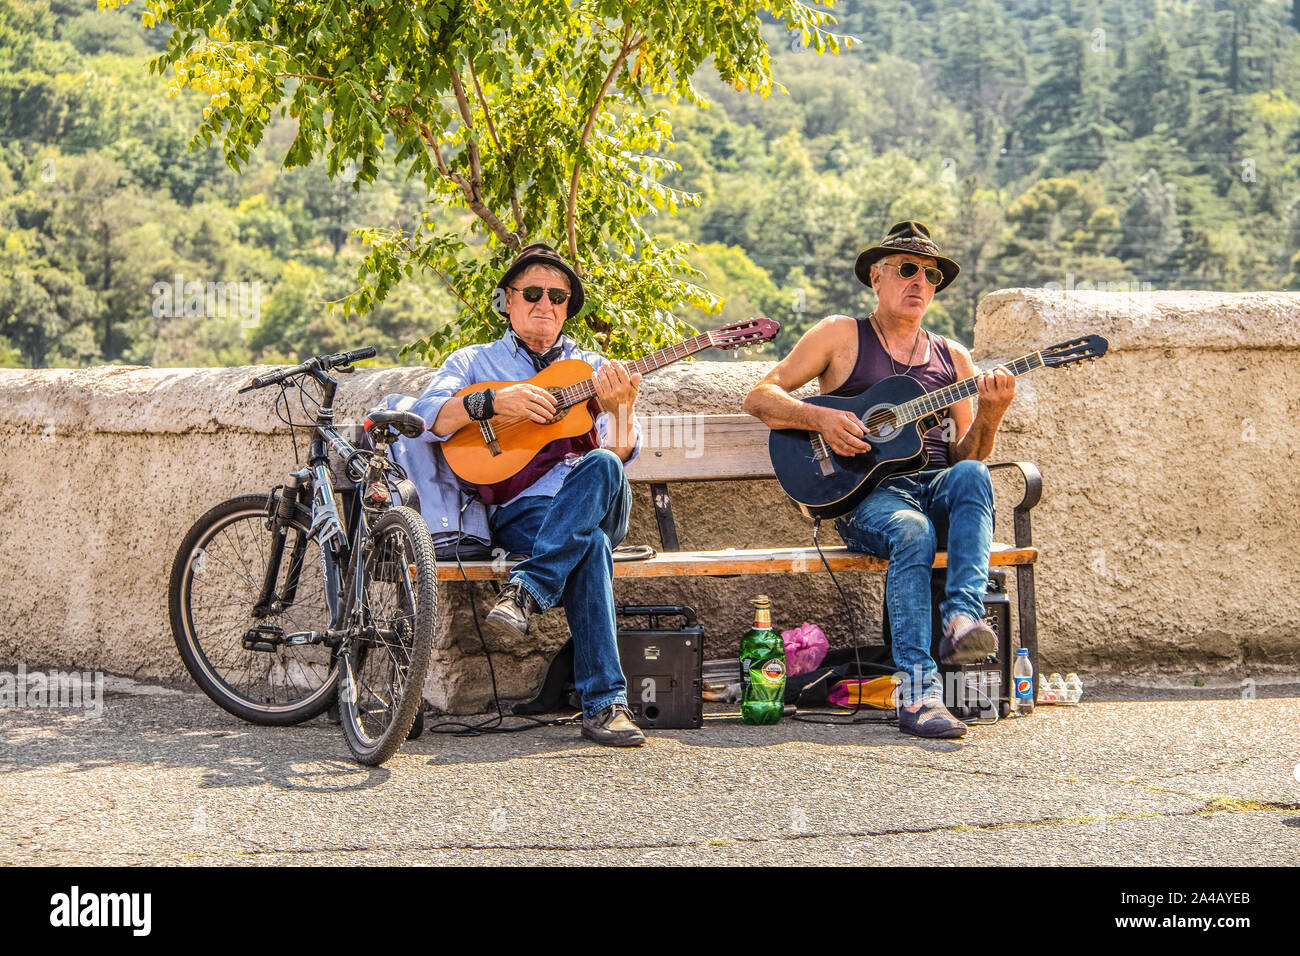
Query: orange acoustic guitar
[499, 461]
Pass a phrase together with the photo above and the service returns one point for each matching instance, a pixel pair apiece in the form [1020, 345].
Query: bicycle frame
[313, 488]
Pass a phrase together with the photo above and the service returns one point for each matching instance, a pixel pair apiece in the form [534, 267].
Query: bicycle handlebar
[322, 362]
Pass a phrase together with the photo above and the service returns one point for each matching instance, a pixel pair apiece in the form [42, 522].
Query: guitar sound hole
[560, 410]
[881, 423]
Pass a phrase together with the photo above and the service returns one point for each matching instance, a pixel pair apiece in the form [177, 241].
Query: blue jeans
[905, 519]
[570, 539]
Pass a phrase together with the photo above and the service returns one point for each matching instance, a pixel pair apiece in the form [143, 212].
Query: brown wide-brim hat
[907, 236]
[539, 253]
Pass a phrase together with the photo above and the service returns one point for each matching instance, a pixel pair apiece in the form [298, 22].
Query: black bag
[814, 688]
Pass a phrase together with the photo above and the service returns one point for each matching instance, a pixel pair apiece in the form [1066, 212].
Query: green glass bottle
[762, 668]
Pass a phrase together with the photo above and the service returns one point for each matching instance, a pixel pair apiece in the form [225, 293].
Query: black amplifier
[974, 690]
[662, 666]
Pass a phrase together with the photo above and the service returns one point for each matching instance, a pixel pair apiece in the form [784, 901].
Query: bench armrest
[1033, 479]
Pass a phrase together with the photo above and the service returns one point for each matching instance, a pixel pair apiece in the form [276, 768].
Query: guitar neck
[935, 401]
[572, 395]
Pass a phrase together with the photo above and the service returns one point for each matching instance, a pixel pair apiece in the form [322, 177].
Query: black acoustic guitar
[895, 413]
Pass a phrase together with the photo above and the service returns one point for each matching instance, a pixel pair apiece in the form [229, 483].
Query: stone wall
[1168, 522]
[1167, 525]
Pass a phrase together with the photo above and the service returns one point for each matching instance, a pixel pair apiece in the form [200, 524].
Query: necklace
[889, 353]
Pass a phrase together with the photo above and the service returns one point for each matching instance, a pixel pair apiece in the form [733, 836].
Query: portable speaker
[663, 666]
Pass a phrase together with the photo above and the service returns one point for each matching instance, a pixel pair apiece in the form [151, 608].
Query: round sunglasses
[533, 293]
[909, 269]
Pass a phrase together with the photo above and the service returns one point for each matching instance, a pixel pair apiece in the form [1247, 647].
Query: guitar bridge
[490, 437]
[822, 453]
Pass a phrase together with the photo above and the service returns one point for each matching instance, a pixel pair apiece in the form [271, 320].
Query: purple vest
[873, 365]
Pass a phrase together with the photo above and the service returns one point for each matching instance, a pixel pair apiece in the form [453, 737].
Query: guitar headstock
[738, 335]
[1065, 354]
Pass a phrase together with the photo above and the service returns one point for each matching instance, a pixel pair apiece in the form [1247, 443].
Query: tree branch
[625, 50]
[475, 160]
[308, 76]
[472, 198]
[520, 231]
[474, 188]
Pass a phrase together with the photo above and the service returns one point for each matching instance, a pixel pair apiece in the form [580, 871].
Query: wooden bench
[734, 447]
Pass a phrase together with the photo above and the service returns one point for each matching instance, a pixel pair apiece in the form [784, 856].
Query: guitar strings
[930, 402]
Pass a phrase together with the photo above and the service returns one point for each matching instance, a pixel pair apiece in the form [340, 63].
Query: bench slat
[741, 561]
[701, 448]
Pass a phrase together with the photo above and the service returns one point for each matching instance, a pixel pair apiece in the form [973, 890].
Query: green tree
[1058, 231]
[534, 117]
[744, 288]
[983, 69]
[1156, 89]
[45, 311]
[1151, 232]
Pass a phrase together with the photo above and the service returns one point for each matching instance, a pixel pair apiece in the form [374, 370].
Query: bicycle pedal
[255, 638]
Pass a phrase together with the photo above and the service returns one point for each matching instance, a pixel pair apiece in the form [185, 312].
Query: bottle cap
[1022, 652]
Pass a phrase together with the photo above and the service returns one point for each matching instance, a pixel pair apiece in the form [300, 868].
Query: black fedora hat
[906, 236]
[539, 253]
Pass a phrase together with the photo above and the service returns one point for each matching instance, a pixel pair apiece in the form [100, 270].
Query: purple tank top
[873, 365]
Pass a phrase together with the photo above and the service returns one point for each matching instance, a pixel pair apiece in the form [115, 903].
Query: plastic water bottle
[1022, 684]
[1073, 688]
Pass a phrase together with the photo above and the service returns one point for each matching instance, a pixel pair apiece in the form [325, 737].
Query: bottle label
[1024, 688]
[773, 670]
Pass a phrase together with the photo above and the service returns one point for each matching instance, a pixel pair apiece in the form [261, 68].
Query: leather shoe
[932, 719]
[613, 727]
[513, 609]
[968, 644]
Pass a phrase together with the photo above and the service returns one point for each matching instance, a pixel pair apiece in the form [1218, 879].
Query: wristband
[480, 406]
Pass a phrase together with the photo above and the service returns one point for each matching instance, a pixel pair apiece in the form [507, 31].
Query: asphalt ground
[1155, 775]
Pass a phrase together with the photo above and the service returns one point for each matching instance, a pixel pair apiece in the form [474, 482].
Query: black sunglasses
[533, 293]
[909, 269]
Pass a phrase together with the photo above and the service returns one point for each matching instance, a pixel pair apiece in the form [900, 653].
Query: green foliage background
[1112, 144]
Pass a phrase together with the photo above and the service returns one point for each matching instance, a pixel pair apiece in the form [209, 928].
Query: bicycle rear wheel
[383, 669]
[216, 581]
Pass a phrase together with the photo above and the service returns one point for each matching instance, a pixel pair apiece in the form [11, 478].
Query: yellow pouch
[880, 693]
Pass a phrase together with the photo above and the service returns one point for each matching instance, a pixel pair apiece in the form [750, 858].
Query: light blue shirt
[441, 499]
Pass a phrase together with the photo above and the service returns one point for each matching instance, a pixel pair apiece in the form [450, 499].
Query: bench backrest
[701, 448]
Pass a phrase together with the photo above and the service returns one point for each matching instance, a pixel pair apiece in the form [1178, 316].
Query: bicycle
[277, 647]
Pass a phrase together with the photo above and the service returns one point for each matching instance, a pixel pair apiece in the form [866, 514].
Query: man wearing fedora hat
[570, 507]
[906, 516]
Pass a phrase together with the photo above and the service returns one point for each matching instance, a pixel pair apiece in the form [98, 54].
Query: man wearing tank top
[907, 517]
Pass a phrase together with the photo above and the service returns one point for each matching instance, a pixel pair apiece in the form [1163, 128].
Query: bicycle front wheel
[382, 674]
[240, 658]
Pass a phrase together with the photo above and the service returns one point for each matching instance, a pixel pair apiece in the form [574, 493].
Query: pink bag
[805, 646]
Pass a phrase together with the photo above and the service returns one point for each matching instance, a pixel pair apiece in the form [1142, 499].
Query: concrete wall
[1168, 520]
[1167, 524]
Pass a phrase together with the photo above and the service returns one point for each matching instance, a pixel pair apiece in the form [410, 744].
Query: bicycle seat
[407, 424]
